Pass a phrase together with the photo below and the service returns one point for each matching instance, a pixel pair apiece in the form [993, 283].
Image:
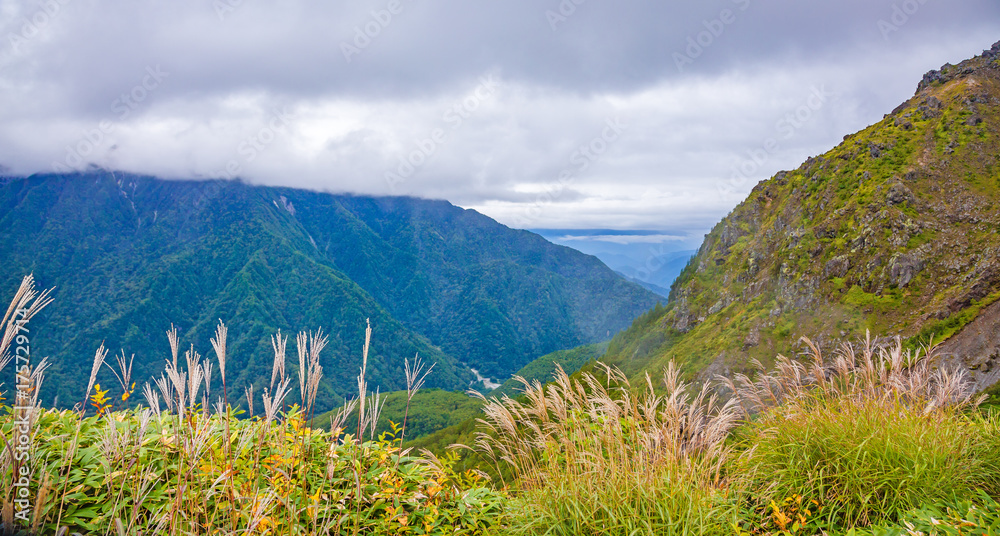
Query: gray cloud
[266, 92]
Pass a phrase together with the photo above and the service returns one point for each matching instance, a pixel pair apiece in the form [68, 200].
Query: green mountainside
[894, 230]
[130, 255]
[544, 367]
[433, 411]
[430, 410]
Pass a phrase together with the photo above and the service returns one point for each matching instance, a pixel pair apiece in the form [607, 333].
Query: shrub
[867, 438]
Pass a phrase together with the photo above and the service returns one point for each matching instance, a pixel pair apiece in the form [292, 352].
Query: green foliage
[976, 517]
[618, 504]
[430, 410]
[857, 297]
[940, 330]
[543, 368]
[125, 469]
[865, 464]
[784, 329]
[992, 397]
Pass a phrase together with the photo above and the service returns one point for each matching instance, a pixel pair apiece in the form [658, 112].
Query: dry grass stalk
[274, 401]
[279, 344]
[415, 377]
[174, 344]
[594, 429]
[373, 411]
[99, 357]
[249, 394]
[152, 398]
[362, 384]
[219, 345]
[877, 371]
[195, 375]
[310, 372]
[27, 302]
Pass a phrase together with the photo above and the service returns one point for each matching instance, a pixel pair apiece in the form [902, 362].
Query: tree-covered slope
[129, 256]
[894, 230]
[493, 297]
[543, 369]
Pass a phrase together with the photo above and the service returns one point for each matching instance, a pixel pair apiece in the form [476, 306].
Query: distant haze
[651, 258]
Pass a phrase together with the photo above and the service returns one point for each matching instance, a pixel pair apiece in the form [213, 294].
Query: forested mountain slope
[130, 255]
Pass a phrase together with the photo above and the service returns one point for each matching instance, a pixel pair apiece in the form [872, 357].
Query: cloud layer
[562, 113]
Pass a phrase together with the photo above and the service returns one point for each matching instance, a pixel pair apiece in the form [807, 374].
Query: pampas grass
[867, 436]
[590, 456]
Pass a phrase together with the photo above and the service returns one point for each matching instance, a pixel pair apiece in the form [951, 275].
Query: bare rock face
[993, 52]
[930, 77]
[899, 194]
[976, 348]
[837, 266]
[903, 268]
[752, 339]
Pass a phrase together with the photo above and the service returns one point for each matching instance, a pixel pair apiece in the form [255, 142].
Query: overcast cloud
[539, 113]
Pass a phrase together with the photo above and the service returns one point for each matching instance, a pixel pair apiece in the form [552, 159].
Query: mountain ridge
[130, 255]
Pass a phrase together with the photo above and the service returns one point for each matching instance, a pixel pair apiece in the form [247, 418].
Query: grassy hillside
[544, 367]
[438, 419]
[896, 230]
[430, 410]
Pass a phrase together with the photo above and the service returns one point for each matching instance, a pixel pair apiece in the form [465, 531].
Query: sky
[561, 114]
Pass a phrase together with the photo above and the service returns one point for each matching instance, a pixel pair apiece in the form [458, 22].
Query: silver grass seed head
[219, 345]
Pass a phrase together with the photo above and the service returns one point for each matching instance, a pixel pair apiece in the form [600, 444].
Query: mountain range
[130, 256]
[650, 258]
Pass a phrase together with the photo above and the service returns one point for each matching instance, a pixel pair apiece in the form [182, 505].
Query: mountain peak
[949, 72]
